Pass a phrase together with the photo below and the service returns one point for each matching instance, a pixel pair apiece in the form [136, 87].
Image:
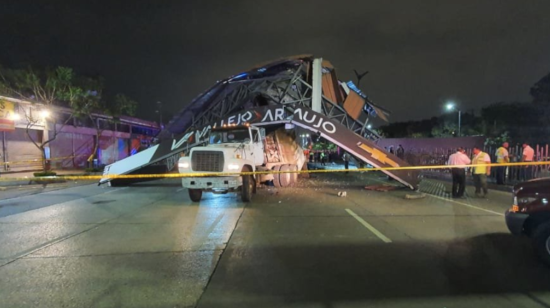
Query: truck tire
[541, 241]
[247, 188]
[276, 176]
[195, 194]
[285, 178]
[294, 174]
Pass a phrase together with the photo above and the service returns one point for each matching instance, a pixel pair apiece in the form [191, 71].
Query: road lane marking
[467, 205]
[180, 189]
[111, 191]
[372, 229]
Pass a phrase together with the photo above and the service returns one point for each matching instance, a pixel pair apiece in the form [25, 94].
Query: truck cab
[216, 167]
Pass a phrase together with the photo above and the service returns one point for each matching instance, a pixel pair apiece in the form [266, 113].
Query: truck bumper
[213, 183]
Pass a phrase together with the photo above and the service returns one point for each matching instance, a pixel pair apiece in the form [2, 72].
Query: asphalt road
[148, 245]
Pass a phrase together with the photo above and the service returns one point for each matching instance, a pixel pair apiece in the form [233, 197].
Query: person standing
[345, 158]
[527, 157]
[322, 156]
[502, 158]
[458, 173]
[480, 173]
[400, 152]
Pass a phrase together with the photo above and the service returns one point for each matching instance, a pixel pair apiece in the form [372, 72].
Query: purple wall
[432, 144]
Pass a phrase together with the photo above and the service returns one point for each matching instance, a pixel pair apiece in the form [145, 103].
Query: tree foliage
[541, 90]
[61, 87]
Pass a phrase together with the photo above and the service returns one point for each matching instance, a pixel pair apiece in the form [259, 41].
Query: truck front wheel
[195, 194]
[246, 192]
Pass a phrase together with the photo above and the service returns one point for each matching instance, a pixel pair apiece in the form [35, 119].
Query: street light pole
[459, 112]
[451, 106]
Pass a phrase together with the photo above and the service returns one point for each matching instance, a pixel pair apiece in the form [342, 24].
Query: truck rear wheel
[542, 242]
[294, 174]
[285, 177]
[276, 176]
[195, 194]
[246, 191]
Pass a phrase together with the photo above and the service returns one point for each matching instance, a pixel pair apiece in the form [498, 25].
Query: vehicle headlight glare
[233, 167]
[526, 200]
[183, 165]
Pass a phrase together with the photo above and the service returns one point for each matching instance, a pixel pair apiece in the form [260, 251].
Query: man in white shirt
[527, 156]
[459, 174]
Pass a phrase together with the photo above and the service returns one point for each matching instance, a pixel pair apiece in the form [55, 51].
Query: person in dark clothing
[400, 152]
[345, 158]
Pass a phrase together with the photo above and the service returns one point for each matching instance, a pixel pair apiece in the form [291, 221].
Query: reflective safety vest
[480, 159]
[501, 155]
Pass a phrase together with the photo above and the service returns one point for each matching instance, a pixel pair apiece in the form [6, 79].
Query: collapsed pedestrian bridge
[298, 91]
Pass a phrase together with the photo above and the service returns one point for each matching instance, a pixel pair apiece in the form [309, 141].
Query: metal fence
[440, 156]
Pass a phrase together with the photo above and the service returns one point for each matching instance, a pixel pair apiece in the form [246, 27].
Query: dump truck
[241, 148]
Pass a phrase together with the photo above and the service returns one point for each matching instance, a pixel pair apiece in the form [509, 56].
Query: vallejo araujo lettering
[271, 115]
[316, 121]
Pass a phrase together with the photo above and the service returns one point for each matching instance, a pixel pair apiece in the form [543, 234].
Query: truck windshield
[231, 136]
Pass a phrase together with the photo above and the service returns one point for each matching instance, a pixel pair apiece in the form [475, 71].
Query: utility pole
[360, 76]
[159, 111]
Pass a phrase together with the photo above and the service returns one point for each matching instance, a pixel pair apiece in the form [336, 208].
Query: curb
[35, 180]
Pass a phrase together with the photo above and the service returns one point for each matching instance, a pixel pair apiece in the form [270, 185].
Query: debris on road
[380, 187]
[415, 196]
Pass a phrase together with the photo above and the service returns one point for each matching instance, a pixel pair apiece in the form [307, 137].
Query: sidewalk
[26, 177]
[469, 180]
[426, 174]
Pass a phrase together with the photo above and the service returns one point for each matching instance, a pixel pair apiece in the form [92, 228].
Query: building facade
[74, 141]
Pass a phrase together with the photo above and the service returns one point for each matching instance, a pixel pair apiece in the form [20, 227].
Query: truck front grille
[207, 161]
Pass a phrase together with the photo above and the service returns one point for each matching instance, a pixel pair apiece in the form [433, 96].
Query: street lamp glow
[452, 107]
[14, 117]
[44, 113]
[369, 126]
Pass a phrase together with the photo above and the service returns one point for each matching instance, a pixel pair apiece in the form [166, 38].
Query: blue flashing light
[355, 89]
[241, 75]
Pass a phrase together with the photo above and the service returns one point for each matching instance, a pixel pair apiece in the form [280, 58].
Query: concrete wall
[70, 149]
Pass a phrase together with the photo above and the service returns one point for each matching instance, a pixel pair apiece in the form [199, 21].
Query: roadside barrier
[184, 175]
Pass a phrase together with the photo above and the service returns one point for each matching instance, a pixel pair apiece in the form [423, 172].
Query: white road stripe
[112, 191]
[180, 189]
[368, 226]
[469, 205]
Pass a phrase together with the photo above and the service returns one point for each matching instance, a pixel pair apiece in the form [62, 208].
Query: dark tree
[541, 90]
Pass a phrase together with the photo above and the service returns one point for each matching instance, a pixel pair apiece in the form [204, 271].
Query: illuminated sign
[7, 116]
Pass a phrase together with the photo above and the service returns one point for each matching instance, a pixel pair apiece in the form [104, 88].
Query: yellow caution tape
[211, 174]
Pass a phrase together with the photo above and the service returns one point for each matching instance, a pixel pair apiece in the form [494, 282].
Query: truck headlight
[233, 167]
[183, 165]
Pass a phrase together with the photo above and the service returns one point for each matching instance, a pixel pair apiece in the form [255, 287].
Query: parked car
[530, 214]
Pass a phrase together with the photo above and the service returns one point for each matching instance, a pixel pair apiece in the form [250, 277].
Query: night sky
[419, 53]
